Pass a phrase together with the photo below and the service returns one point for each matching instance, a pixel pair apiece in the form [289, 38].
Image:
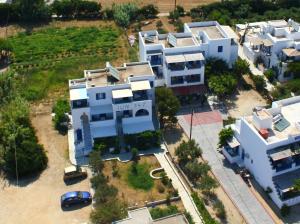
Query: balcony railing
[122, 100]
[140, 98]
[76, 104]
[282, 167]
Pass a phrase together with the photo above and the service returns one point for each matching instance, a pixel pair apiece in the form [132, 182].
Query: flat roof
[78, 94]
[120, 93]
[185, 41]
[278, 23]
[212, 31]
[230, 32]
[291, 52]
[140, 85]
[102, 77]
[286, 181]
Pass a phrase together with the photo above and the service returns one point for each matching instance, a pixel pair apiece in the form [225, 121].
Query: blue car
[75, 197]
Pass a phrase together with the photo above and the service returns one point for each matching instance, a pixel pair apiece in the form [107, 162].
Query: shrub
[138, 176]
[157, 213]
[148, 11]
[160, 188]
[224, 135]
[259, 82]
[61, 119]
[164, 179]
[104, 144]
[202, 209]
[145, 140]
[270, 75]
[124, 13]
[220, 209]
[285, 210]
[135, 154]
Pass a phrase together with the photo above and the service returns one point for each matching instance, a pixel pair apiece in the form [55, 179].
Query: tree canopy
[224, 135]
[167, 105]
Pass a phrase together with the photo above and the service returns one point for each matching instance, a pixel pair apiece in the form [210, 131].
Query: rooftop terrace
[212, 31]
[282, 120]
[105, 77]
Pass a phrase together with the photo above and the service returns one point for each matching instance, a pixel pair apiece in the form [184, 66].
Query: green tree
[18, 140]
[241, 67]
[297, 185]
[259, 82]
[61, 119]
[167, 105]
[195, 170]
[124, 13]
[105, 193]
[294, 68]
[95, 161]
[33, 10]
[188, 151]
[207, 183]
[106, 213]
[135, 154]
[224, 135]
[222, 85]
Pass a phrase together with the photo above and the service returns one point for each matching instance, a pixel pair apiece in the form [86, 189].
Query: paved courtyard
[206, 135]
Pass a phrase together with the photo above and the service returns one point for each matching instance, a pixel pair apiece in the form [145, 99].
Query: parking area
[37, 200]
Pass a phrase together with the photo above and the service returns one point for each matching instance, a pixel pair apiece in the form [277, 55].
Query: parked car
[73, 172]
[75, 197]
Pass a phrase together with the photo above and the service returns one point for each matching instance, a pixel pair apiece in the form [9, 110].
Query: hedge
[144, 140]
[207, 219]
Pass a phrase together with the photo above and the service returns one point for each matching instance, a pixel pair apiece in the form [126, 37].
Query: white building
[275, 43]
[268, 145]
[110, 102]
[177, 59]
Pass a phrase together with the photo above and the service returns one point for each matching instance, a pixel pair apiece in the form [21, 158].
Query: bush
[285, 210]
[157, 213]
[135, 154]
[270, 75]
[148, 11]
[224, 135]
[124, 13]
[220, 209]
[202, 209]
[259, 82]
[104, 144]
[145, 140]
[61, 119]
[138, 176]
[160, 188]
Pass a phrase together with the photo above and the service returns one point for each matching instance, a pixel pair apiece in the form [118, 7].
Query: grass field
[48, 58]
[163, 5]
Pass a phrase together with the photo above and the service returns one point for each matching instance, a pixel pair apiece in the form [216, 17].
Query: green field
[48, 58]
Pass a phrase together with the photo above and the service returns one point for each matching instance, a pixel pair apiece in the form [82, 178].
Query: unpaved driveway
[37, 201]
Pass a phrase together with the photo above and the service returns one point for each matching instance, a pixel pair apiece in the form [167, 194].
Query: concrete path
[178, 184]
[253, 69]
[206, 135]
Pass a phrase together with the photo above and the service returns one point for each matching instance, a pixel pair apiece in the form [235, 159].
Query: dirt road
[37, 201]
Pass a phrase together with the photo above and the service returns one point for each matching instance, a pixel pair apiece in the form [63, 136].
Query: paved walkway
[206, 135]
[253, 69]
[178, 184]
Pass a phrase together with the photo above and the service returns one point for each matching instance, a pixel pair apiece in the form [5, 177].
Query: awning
[103, 131]
[194, 57]
[121, 93]
[233, 142]
[291, 52]
[256, 41]
[281, 155]
[138, 127]
[78, 94]
[140, 85]
[267, 43]
[175, 58]
[188, 90]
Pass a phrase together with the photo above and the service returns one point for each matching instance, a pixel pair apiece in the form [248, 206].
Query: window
[100, 96]
[151, 84]
[220, 49]
[79, 135]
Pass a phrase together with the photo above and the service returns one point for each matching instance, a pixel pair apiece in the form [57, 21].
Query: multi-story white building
[177, 59]
[275, 43]
[267, 143]
[110, 102]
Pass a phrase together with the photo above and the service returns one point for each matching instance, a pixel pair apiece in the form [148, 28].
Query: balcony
[140, 96]
[122, 100]
[155, 60]
[177, 80]
[193, 65]
[102, 117]
[283, 166]
[176, 66]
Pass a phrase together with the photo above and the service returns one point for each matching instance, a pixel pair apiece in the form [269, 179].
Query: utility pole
[175, 4]
[191, 127]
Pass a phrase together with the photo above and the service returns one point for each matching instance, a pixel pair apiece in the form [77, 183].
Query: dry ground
[38, 200]
[133, 196]
[163, 5]
[173, 138]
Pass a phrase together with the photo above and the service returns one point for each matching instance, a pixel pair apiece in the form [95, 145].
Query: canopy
[256, 41]
[233, 142]
[291, 52]
[281, 155]
[194, 57]
[267, 43]
[78, 94]
[121, 93]
[140, 85]
[175, 58]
